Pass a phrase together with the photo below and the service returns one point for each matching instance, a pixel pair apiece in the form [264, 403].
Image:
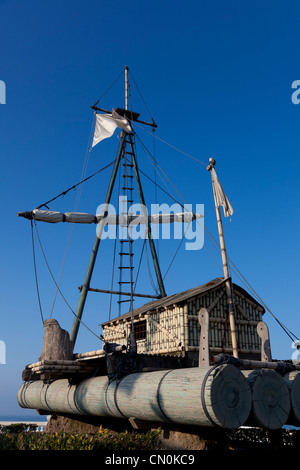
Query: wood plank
[203, 318]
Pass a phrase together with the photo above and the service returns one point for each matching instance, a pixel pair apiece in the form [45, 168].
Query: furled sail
[106, 125]
[221, 198]
[110, 219]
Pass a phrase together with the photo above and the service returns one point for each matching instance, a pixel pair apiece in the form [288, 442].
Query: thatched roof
[181, 297]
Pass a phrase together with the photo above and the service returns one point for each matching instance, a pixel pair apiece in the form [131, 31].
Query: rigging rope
[155, 288]
[176, 251]
[63, 193]
[115, 246]
[140, 262]
[35, 272]
[76, 205]
[51, 274]
[141, 96]
[172, 146]
[113, 83]
[197, 220]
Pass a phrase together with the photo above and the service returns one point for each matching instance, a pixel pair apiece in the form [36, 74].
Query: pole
[225, 268]
[126, 87]
[87, 280]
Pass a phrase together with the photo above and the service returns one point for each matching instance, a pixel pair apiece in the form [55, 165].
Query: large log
[215, 396]
[271, 402]
[292, 380]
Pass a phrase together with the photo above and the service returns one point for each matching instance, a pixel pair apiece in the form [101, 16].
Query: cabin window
[140, 330]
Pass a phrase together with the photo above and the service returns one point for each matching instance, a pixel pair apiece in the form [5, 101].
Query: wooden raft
[215, 396]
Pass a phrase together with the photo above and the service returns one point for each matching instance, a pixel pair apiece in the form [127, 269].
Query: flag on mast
[221, 198]
[106, 125]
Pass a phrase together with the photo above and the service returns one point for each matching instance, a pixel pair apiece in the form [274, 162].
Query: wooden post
[203, 318]
[263, 333]
[225, 269]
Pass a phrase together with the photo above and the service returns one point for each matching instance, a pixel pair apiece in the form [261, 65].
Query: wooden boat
[201, 357]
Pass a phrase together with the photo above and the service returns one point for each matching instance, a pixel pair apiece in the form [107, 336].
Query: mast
[225, 265]
[126, 138]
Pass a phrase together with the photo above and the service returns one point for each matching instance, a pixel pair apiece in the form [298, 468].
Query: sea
[40, 420]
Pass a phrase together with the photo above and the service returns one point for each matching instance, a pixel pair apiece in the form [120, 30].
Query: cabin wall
[246, 318]
[164, 333]
[176, 330]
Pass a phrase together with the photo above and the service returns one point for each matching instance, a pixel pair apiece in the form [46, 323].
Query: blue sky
[216, 76]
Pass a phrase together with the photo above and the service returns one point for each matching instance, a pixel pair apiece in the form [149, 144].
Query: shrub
[16, 439]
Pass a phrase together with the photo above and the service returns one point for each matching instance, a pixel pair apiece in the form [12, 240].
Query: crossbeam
[130, 115]
[104, 291]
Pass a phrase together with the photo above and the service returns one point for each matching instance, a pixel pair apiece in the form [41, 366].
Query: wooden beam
[104, 291]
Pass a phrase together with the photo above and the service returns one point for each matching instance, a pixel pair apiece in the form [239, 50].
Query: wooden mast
[225, 268]
[86, 285]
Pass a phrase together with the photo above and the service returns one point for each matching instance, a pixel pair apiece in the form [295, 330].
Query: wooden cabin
[170, 325]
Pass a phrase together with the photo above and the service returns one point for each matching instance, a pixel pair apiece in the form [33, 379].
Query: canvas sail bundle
[53, 217]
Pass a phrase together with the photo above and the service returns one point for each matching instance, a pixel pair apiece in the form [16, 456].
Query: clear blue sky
[216, 76]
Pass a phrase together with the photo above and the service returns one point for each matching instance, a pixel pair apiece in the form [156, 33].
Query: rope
[51, 274]
[197, 220]
[176, 251]
[113, 83]
[35, 272]
[150, 274]
[114, 254]
[258, 298]
[141, 96]
[172, 146]
[76, 205]
[216, 246]
[139, 266]
[63, 193]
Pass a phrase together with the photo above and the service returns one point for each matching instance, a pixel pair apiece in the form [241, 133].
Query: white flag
[106, 125]
[221, 199]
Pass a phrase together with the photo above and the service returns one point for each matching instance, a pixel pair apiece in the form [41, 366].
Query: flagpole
[210, 167]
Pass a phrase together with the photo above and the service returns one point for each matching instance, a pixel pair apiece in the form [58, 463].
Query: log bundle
[222, 396]
[215, 396]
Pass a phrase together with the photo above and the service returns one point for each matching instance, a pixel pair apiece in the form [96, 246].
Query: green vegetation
[24, 437]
